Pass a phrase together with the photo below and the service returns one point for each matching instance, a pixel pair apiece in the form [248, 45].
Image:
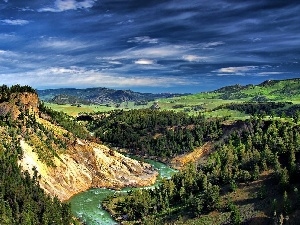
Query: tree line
[6, 91]
[281, 109]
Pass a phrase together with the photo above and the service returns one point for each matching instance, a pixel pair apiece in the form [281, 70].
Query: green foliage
[272, 91]
[235, 216]
[242, 155]
[154, 132]
[187, 190]
[6, 91]
[286, 204]
[66, 121]
[256, 108]
[44, 141]
[22, 201]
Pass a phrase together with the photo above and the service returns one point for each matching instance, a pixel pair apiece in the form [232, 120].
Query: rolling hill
[216, 102]
[98, 95]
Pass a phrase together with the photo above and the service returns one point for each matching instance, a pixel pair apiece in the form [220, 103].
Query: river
[87, 205]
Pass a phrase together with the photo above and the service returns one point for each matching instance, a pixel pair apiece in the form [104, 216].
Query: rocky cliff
[87, 165]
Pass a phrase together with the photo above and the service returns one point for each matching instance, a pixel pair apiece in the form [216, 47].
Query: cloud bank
[188, 46]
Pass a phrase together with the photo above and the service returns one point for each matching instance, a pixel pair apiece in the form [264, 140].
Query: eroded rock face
[19, 102]
[82, 165]
[86, 165]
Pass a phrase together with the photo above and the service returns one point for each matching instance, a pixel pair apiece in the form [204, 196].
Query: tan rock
[19, 102]
[87, 165]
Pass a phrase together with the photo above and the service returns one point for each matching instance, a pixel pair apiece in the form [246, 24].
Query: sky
[179, 46]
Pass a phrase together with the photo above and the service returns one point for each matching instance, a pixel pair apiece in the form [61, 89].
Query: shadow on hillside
[259, 221]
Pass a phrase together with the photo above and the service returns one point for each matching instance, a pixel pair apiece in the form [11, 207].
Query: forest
[22, 201]
[281, 109]
[154, 132]
[253, 147]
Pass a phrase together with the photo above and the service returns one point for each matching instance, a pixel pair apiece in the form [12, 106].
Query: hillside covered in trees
[251, 151]
[22, 201]
[153, 132]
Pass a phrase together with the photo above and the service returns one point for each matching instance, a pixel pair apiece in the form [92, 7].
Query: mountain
[98, 95]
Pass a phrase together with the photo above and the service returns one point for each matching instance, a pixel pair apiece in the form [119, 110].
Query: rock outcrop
[18, 103]
[87, 165]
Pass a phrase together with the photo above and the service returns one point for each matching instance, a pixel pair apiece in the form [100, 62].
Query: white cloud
[82, 77]
[194, 58]
[15, 22]
[150, 54]
[231, 74]
[270, 73]
[255, 39]
[64, 5]
[144, 62]
[26, 9]
[154, 52]
[115, 62]
[7, 37]
[56, 43]
[239, 69]
[126, 22]
[9, 55]
[213, 44]
[144, 39]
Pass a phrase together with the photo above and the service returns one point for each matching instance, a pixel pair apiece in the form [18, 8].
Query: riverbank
[87, 206]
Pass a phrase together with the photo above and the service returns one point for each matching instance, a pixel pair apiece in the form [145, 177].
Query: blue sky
[148, 46]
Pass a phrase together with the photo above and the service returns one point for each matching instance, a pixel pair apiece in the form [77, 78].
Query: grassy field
[74, 110]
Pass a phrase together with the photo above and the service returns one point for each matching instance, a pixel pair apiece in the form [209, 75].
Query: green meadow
[75, 110]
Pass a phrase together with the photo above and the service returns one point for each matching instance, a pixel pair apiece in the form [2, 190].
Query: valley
[230, 146]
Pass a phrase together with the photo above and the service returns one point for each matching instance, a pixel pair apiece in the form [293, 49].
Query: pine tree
[235, 216]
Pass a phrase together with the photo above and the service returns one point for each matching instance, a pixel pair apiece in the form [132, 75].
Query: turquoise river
[87, 205]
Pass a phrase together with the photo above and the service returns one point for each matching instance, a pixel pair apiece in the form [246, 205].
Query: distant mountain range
[274, 90]
[98, 95]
